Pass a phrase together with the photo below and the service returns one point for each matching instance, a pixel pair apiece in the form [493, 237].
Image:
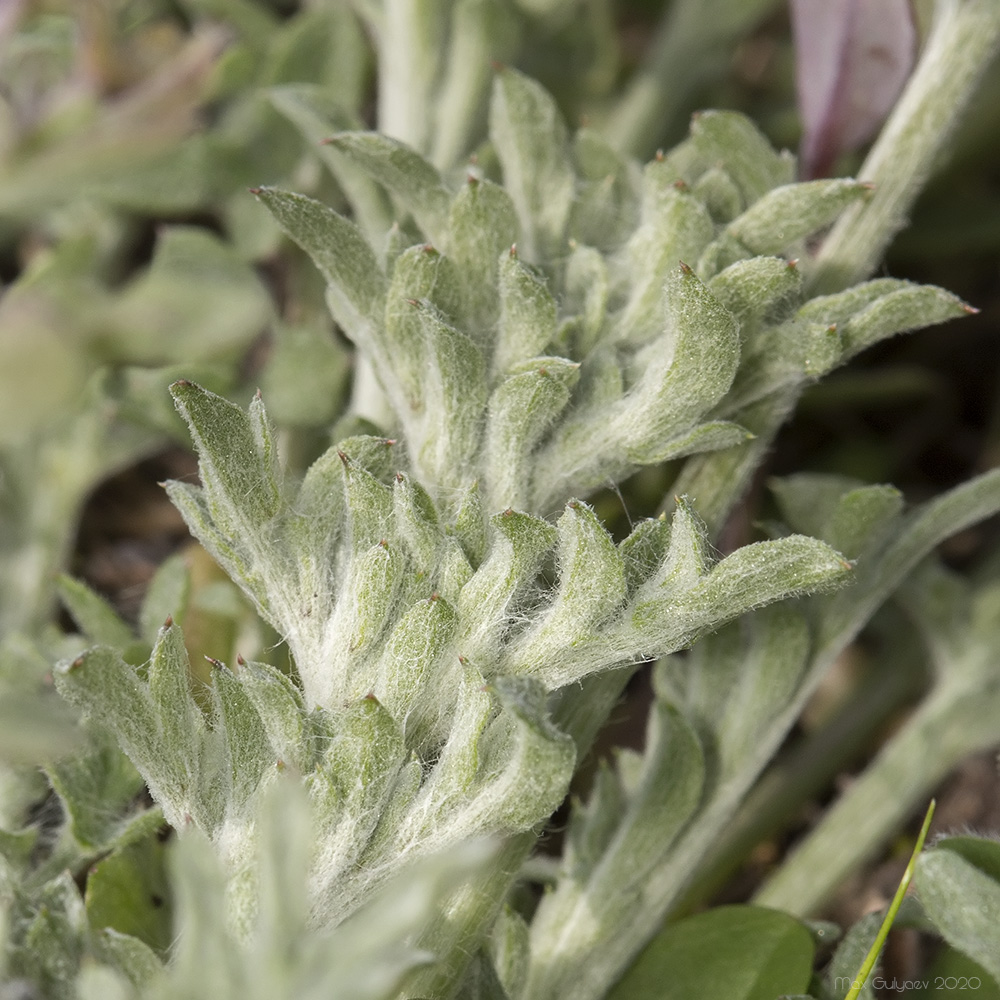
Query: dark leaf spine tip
[383, 543]
[428, 248]
[389, 442]
[400, 477]
[832, 328]
[543, 371]
[681, 184]
[868, 186]
[686, 269]
[513, 250]
[215, 663]
[255, 191]
[412, 302]
[659, 156]
[279, 765]
[168, 621]
[77, 663]
[846, 564]
[343, 457]
[240, 660]
[435, 596]
[472, 180]
[971, 310]
[509, 512]
[463, 660]
[181, 383]
[370, 696]
[793, 264]
[258, 394]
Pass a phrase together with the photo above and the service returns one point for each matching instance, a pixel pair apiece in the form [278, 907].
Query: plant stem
[964, 39]
[897, 901]
[952, 723]
[808, 769]
[689, 45]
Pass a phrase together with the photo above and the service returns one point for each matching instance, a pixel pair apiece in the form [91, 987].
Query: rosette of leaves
[441, 591]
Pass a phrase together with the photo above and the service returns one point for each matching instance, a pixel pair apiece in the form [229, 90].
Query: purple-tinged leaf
[852, 59]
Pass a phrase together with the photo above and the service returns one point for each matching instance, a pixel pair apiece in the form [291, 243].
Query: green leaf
[591, 588]
[509, 948]
[316, 113]
[489, 600]
[447, 440]
[849, 956]
[482, 225]
[527, 762]
[281, 710]
[959, 886]
[850, 516]
[879, 309]
[134, 959]
[98, 621]
[416, 671]
[420, 275]
[531, 141]
[606, 208]
[593, 824]
[522, 408]
[732, 139]
[728, 953]
[236, 456]
[405, 173]
[680, 231]
[768, 571]
[787, 214]
[306, 375]
[355, 778]
[951, 975]
[128, 891]
[166, 597]
[586, 293]
[716, 435]
[739, 679]
[248, 748]
[101, 792]
[46, 937]
[357, 286]
[527, 314]
[417, 521]
[662, 797]
[757, 291]
[685, 372]
[157, 725]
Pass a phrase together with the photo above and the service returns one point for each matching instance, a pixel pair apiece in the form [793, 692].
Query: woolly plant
[545, 322]
[459, 619]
